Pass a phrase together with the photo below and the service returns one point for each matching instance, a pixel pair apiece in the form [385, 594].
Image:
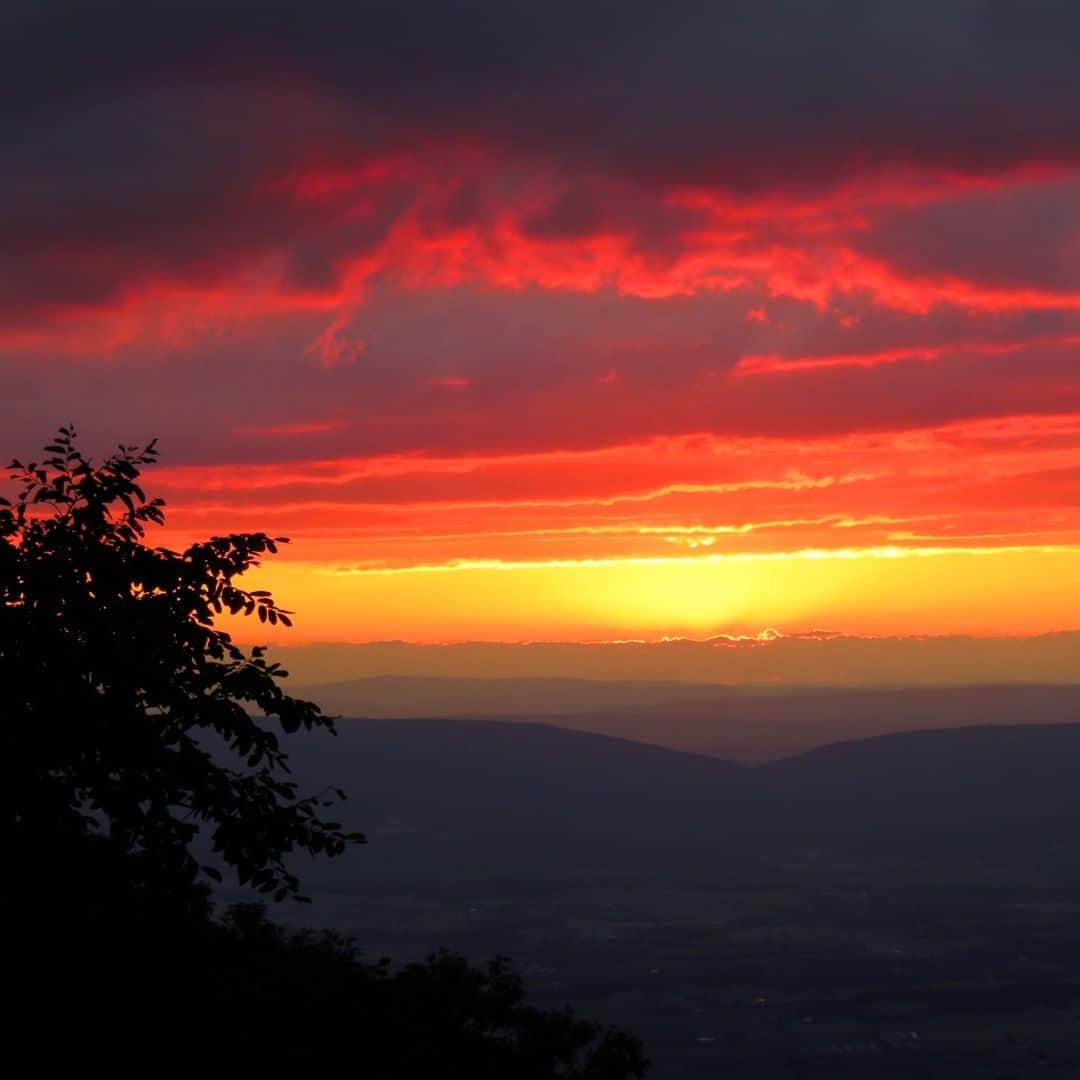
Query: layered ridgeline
[746, 724]
[770, 658]
[451, 801]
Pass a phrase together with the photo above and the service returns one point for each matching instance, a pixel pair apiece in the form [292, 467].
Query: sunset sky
[567, 321]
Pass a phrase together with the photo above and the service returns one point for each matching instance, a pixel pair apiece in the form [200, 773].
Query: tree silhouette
[441, 1017]
[130, 723]
[117, 686]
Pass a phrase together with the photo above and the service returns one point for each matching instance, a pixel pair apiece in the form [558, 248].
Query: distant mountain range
[741, 724]
[814, 658]
[452, 800]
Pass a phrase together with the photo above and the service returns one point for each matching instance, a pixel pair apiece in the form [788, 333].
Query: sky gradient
[568, 321]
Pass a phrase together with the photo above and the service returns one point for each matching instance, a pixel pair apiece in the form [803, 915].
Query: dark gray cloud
[768, 91]
[1022, 235]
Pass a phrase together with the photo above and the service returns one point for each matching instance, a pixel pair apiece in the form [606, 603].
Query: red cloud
[963, 486]
[773, 364]
[450, 382]
[288, 431]
[308, 239]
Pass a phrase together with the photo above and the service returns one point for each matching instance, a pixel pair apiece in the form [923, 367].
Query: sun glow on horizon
[984, 592]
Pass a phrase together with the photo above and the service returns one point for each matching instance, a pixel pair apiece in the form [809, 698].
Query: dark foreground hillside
[548, 799]
[905, 905]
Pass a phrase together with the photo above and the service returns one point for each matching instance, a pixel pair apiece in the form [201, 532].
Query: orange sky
[965, 528]
[571, 323]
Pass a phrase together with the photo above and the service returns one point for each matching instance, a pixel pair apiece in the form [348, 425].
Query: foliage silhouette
[121, 697]
[245, 994]
[443, 1017]
[117, 681]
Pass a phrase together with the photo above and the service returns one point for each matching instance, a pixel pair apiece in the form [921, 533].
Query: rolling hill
[742, 724]
[476, 799]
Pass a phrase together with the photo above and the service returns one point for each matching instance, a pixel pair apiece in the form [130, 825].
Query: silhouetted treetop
[119, 689]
